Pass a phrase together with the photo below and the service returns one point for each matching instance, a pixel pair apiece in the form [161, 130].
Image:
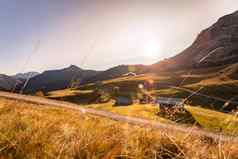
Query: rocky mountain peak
[214, 46]
[73, 68]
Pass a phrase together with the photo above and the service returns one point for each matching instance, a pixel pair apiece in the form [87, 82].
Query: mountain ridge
[216, 45]
[57, 79]
[24, 76]
[115, 72]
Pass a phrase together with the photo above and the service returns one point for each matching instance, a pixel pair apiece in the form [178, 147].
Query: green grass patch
[146, 111]
[214, 120]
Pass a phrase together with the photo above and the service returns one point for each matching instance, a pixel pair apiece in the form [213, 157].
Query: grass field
[214, 120]
[29, 131]
[147, 111]
[207, 118]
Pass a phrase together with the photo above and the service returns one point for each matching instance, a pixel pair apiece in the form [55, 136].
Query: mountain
[214, 46]
[57, 79]
[26, 75]
[115, 72]
[8, 83]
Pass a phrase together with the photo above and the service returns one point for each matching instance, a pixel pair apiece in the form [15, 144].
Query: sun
[151, 50]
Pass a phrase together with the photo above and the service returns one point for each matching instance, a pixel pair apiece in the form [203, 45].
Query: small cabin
[169, 102]
[129, 74]
[169, 105]
[123, 101]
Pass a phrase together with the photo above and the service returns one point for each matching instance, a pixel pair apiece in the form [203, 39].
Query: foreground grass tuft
[30, 131]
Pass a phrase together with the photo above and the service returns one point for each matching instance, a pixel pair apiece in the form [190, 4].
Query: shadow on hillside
[79, 98]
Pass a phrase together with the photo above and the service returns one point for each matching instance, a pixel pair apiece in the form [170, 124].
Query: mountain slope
[7, 83]
[26, 75]
[115, 72]
[215, 46]
[57, 79]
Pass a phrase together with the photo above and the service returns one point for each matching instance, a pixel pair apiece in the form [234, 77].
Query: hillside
[34, 131]
[214, 46]
[57, 79]
[115, 72]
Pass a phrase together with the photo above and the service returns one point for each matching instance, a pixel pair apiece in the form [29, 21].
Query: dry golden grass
[142, 77]
[216, 121]
[29, 131]
[145, 111]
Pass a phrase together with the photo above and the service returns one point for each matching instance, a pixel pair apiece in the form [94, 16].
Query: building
[169, 105]
[130, 74]
[123, 101]
[169, 102]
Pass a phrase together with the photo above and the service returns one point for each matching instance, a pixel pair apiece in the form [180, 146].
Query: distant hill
[57, 79]
[26, 75]
[214, 46]
[8, 83]
[115, 72]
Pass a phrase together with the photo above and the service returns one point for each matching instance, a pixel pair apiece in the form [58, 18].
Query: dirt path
[121, 118]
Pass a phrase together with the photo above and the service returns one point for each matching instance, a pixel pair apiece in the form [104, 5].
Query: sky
[38, 35]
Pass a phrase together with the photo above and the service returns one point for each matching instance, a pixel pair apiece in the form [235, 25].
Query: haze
[98, 34]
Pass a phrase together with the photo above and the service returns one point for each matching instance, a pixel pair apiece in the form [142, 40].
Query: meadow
[205, 112]
[29, 131]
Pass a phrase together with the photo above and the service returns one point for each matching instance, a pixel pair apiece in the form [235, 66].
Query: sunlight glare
[151, 51]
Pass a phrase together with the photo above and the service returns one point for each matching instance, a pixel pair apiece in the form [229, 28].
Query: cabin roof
[130, 74]
[169, 101]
